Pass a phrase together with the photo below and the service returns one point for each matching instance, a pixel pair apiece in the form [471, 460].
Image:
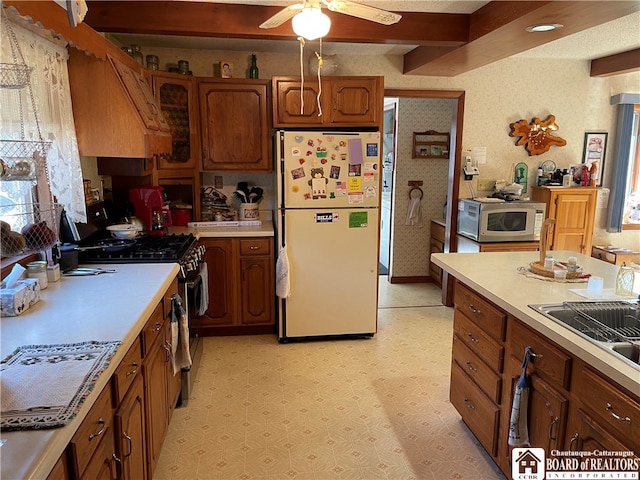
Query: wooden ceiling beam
[242, 21]
[624, 62]
[497, 31]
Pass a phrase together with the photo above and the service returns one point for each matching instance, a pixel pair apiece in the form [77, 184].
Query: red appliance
[149, 206]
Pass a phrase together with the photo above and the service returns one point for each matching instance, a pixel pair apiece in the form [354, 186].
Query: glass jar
[38, 270]
[137, 54]
[624, 281]
[549, 262]
[153, 62]
[183, 67]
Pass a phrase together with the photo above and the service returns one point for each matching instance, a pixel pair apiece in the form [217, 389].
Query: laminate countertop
[105, 307]
[495, 276]
[265, 229]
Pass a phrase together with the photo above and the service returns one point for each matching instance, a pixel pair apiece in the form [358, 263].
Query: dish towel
[180, 355]
[201, 293]
[44, 386]
[283, 283]
[518, 428]
[414, 213]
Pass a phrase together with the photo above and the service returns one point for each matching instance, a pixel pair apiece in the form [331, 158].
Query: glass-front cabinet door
[175, 93]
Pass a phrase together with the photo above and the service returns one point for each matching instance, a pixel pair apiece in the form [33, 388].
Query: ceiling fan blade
[282, 16]
[362, 11]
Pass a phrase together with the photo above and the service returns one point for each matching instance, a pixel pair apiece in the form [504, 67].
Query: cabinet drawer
[616, 410]
[92, 431]
[491, 352]
[549, 362]
[257, 246]
[152, 329]
[487, 379]
[126, 371]
[437, 232]
[490, 318]
[480, 414]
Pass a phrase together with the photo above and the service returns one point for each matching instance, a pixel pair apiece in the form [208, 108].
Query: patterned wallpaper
[410, 253]
[495, 96]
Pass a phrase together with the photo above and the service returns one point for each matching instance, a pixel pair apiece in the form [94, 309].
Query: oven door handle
[190, 285]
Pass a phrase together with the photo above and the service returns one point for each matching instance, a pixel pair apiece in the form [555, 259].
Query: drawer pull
[253, 247]
[134, 371]
[615, 415]
[536, 356]
[474, 310]
[469, 405]
[473, 339]
[553, 422]
[158, 327]
[471, 367]
[573, 439]
[118, 466]
[103, 426]
[124, 434]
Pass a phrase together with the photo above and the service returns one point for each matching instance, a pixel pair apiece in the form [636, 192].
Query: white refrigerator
[328, 187]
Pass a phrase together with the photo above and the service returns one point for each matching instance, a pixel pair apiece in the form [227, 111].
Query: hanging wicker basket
[14, 75]
[28, 228]
[22, 160]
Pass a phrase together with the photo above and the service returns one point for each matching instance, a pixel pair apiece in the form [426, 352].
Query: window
[34, 110]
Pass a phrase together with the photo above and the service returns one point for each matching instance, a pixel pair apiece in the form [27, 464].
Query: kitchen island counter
[105, 307]
[495, 276]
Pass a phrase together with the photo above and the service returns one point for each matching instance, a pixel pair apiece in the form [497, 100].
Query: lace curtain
[52, 98]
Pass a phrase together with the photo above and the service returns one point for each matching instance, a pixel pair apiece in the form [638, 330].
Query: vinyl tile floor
[347, 409]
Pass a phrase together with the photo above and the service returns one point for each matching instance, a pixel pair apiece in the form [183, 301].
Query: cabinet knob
[471, 367]
[474, 309]
[469, 405]
[472, 338]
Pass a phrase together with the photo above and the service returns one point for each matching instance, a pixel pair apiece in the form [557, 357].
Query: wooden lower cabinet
[156, 400]
[60, 470]
[130, 432]
[571, 406]
[241, 286]
[122, 435]
[92, 448]
[573, 210]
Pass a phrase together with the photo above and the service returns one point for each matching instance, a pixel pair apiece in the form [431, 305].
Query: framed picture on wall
[595, 147]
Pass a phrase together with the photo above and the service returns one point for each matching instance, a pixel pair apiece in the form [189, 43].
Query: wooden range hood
[115, 113]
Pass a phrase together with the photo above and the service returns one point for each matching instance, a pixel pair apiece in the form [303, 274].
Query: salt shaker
[624, 281]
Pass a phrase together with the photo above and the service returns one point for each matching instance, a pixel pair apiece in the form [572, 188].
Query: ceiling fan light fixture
[544, 27]
[311, 23]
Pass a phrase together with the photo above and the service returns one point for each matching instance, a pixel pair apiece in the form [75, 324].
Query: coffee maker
[150, 207]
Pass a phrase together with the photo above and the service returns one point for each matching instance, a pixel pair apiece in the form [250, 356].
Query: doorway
[394, 188]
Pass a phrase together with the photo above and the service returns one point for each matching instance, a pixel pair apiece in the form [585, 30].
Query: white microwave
[516, 221]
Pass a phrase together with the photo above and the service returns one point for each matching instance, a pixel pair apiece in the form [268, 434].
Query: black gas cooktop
[145, 249]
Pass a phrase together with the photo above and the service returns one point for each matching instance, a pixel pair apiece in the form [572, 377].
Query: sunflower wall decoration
[537, 136]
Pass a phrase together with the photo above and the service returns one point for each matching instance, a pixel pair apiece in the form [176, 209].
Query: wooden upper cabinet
[345, 101]
[176, 95]
[235, 124]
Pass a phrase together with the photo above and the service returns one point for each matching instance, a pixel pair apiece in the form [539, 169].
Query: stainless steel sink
[614, 325]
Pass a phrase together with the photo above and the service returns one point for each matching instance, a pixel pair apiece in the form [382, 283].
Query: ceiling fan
[310, 23]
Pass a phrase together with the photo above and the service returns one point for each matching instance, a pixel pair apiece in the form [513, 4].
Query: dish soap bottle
[624, 281]
[253, 69]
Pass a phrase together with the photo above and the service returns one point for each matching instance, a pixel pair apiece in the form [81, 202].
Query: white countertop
[263, 230]
[105, 307]
[495, 276]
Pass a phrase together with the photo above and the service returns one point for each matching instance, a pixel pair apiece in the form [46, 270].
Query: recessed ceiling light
[544, 27]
